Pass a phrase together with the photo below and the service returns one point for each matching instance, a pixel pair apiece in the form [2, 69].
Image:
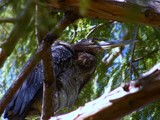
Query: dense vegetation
[129, 62]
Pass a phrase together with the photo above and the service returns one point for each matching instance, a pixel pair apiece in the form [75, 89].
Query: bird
[74, 65]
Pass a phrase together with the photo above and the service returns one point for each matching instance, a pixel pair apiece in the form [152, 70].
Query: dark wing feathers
[26, 94]
[29, 90]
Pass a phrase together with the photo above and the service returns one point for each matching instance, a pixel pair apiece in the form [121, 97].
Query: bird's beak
[111, 44]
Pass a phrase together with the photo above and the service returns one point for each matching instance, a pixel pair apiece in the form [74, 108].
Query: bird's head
[95, 45]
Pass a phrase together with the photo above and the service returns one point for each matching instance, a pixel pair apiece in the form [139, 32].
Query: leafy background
[107, 76]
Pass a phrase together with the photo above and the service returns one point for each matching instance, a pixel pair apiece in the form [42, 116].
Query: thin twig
[97, 27]
[93, 30]
[5, 4]
[37, 24]
[41, 23]
[134, 36]
[109, 60]
[9, 20]
[144, 56]
[74, 35]
[5, 29]
[135, 71]
[39, 3]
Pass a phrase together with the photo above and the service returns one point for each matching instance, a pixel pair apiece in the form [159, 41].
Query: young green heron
[73, 64]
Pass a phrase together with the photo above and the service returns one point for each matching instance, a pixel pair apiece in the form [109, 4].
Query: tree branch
[48, 87]
[145, 56]
[109, 60]
[121, 101]
[7, 47]
[9, 20]
[136, 11]
[49, 39]
[132, 48]
[42, 26]
[97, 27]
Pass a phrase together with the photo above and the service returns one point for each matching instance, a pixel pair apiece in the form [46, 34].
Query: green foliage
[105, 77]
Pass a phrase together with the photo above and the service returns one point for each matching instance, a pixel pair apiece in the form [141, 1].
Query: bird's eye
[92, 41]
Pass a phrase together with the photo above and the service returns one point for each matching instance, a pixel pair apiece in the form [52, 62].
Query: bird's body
[73, 69]
[73, 64]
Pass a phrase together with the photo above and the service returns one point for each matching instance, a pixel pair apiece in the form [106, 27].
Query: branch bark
[121, 101]
[42, 27]
[136, 11]
[48, 87]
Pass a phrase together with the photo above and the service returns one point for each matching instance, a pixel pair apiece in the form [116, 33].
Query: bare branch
[121, 101]
[9, 20]
[48, 87]
[42, 21]
[132, 47]
[75, 34]
[145, 56]
[93, 30]
[116, 10]
[109, 60]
